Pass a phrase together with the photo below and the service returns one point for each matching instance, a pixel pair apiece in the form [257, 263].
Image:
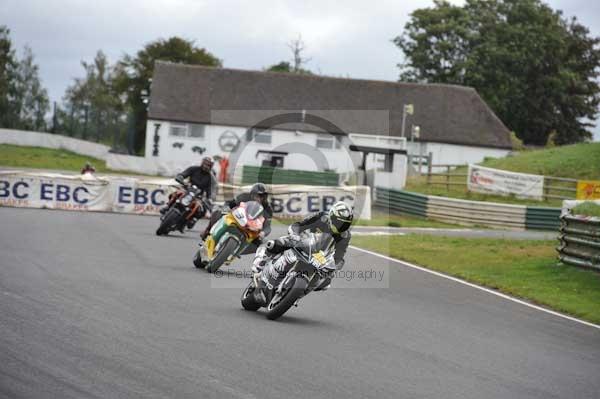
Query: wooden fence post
[429, 168]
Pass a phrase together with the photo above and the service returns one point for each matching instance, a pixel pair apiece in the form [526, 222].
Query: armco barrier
[467, 212]
[541, 218]
[580, 241]
[270, 175]
[401, 201]
[476, 212]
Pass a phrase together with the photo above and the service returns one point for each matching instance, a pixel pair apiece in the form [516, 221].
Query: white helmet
[340, 217]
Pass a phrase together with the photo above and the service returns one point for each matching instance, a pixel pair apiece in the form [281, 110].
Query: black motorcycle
[184, 208]
[308, 263]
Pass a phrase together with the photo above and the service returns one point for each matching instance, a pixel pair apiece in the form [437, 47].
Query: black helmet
[259, 190]
[207, 164]
[340, 217]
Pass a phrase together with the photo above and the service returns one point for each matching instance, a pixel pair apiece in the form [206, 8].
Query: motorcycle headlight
[187, 200]
[240, 216]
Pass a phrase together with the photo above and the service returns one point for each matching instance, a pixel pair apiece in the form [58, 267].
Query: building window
[328, 141]
[262, 136]
[258, 135]
[196, 131]
[191, 130]
[178, 130]
[324, 141]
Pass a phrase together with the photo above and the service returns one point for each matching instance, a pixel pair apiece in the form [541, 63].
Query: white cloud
[351, 38]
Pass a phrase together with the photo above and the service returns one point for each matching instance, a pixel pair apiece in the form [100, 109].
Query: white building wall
[454, 154]
[301, 147]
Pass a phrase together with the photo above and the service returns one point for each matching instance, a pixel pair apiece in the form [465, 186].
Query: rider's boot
[191, 222]
[260, 259]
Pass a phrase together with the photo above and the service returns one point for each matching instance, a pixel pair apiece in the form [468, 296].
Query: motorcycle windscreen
[253, 209]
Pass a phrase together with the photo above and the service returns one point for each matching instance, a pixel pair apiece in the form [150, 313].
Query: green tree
[8, 66]
[31, 99]
[92, 107]
[134, 74]
[536, 70]
[283, 66]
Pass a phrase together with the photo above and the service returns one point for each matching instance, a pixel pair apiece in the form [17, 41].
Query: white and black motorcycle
[291, 275]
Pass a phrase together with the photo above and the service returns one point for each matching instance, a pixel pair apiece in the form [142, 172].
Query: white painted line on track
[377, 233]
[510, 298]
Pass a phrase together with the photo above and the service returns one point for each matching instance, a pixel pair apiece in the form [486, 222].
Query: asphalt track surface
[96, 306]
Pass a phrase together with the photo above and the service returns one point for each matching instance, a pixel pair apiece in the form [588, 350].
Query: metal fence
[470, 213]
[579, 241]
[554, 187]
[270, 175]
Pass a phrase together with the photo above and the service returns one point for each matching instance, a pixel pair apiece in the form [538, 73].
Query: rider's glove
[292, 231]
[179, 179]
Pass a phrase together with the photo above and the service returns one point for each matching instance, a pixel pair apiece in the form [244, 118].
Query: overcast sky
[343, 38]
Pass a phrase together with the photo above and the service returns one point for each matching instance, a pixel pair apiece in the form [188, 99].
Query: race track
[95, 305]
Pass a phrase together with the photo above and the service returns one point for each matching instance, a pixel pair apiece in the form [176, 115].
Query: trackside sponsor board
[141, 196]
[297, 201]
[495, 181]
[54, 191]
[147, 196]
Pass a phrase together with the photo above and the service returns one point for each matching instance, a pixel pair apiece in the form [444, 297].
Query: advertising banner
[495, 181]
[147, 196]
[141, 196]
[54, 191]
[588, 190]
[298, 201]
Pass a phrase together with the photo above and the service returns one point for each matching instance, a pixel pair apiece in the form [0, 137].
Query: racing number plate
[319, 257]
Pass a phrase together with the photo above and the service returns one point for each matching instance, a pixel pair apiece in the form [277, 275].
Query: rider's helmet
[259, 192]
[340, 217]
[207, 164]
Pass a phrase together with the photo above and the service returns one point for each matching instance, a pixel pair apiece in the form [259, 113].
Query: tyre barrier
[579, 241]
[468, 213]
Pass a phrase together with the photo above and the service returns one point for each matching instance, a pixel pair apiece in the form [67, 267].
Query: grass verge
[525, 269]
[587, 209]
[379, 218]
[46, 158]
[418, 184]
[578, 161]
[388, 220]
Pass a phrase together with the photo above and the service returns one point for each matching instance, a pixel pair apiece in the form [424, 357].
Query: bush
[587, 208]
[517, 143]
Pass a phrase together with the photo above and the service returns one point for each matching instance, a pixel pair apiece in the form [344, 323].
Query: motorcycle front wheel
[248, 300]
[170, 220]
[225, 251]
[284, 300]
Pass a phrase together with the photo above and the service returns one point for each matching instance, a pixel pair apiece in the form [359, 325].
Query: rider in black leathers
[336, 222]
[201, 176]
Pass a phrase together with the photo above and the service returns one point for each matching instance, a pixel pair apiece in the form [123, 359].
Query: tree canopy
[23, 100]
[133, 74]
[537, 70]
